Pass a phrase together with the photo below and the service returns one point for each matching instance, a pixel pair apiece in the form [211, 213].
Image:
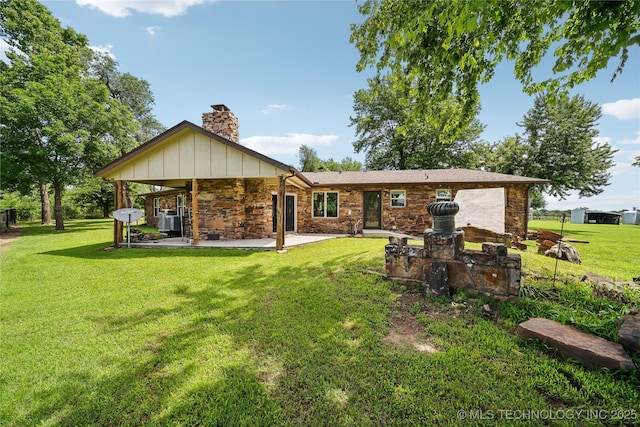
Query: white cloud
[104, 50]
[629, 141]
[602, 140]
[624, 109]
[152, 30]
[122, 8]
[273, 108]
[288, 144]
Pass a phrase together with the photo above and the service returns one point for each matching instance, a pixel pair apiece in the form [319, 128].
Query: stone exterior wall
[412, 219]
[167, 201]
[242, 208]
[220, 209]
[230, 208]
[258, 210]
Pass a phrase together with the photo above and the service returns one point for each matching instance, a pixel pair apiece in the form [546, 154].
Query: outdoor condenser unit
[169, 222]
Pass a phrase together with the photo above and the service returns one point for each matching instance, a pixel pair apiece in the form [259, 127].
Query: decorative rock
[629, 332]
[592, 351]
[480, 235]
[564, 251]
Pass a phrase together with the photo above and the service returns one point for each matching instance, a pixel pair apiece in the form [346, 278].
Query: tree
[558, 145]
[394, 138]
[132, 92]
[536, 199]
[452, 46]
[57, 121]
[346, 164]
[93, 195]
[636, 162]
[310, 162]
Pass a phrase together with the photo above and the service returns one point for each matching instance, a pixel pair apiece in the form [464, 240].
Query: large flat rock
[592, 351]
[629, 332]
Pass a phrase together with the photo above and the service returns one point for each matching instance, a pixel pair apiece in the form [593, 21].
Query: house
[228, 191]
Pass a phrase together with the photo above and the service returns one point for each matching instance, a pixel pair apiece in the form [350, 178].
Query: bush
[27, 207]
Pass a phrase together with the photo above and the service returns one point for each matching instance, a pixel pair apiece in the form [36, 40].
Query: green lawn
[228, 338]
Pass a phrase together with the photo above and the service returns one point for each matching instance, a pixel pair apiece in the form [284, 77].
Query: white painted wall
[481, 208]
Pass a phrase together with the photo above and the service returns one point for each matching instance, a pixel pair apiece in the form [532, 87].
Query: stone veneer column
[516, 209]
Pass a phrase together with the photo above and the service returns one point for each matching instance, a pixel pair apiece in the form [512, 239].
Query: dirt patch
[406, 332]
[8, 236]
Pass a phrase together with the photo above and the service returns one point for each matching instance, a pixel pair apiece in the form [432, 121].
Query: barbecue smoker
[442, 263]
[170, 222]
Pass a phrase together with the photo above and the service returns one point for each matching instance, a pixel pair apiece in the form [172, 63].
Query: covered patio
[265, 244]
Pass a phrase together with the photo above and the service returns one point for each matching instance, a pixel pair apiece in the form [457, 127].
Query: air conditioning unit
[169, 222]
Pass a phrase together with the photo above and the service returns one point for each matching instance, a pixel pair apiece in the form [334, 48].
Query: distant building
[585, 216]
[631, 217]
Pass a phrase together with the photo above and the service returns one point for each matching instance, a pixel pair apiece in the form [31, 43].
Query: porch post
[282, 193]
[194, 213]
[118, 200]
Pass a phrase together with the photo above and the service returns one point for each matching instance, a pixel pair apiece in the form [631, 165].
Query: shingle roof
[422, 176]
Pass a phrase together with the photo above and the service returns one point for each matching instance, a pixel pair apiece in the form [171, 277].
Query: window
[398, 198]
[325, 204]
[156, 206]
[443, 195]
[180, 205]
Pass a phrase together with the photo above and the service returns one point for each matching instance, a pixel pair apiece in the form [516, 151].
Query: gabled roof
[189, 151]
[421, 176]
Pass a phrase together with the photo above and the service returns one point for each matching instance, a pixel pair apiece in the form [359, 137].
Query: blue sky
[287, 70]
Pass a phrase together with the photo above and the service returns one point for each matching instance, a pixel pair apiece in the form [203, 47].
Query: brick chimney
[222, 122]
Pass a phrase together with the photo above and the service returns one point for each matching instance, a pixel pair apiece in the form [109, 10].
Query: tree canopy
[393, 138]
[559, 145]
[310, 162]
[452, 46]
[58, 122]
[131, 91]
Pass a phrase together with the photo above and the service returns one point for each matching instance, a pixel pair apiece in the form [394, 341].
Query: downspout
[280, 212]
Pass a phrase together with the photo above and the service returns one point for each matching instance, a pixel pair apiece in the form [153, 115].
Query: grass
[224, 337]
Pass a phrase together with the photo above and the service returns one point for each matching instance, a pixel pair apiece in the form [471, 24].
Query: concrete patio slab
[290, 241]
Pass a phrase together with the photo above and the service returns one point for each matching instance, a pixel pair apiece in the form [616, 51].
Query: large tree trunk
[106, 201]
[128, 196]
[57, 204]
[45, 204]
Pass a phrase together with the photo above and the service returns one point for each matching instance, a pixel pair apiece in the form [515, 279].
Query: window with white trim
[156, 206]
[324, 204]
[443, 195]
[180, 204]
[398, 198]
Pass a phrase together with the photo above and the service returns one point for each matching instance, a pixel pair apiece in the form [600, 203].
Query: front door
[372, 210]
[290, 213]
